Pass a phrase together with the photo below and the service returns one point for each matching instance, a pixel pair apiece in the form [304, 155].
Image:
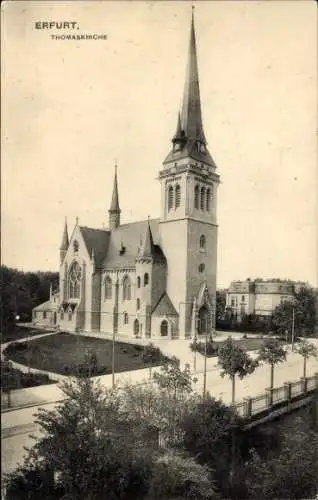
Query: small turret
[65, 243]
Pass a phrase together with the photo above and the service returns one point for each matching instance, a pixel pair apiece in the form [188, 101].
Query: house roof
[125, 241]
[46, 306]
[97, 240]
[164, 307]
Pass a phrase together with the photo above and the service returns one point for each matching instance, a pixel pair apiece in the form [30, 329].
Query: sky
[71, 109]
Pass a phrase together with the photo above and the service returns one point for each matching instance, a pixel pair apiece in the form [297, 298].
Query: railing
[296, 388]
[259, 403]
[273, 397]
[278, 394]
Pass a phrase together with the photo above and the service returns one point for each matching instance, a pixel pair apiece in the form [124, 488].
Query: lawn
[20, 332]
[248, 344]
[69, 354]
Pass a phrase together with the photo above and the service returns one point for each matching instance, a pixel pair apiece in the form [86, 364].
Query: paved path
[17, 424]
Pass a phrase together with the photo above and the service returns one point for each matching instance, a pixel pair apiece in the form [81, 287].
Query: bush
[153, 355]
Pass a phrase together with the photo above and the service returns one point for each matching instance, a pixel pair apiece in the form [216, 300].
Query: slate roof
[97, 239]
[164, 307]
[128, 238]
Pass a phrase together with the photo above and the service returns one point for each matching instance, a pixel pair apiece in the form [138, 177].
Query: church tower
[188, 223]
[114, 211]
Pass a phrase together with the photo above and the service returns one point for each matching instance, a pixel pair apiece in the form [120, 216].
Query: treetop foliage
[234, 360]
[272, 352]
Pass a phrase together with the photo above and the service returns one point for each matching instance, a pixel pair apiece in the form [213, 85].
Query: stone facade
[153, 278]
[259, 297]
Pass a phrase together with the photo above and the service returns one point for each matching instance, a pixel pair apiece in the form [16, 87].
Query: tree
[177, 477]
[176, 386]
[306, 350]
[220, 304]
[89, 447]
[304, 304]
[289, 473]
[172, 378]
[210, 431]
[272, 352]
[235, 361]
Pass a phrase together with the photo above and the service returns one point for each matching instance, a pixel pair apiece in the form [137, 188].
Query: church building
[152, 278]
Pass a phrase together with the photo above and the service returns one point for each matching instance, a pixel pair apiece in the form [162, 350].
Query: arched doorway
[136, 327]
[203, 323]
[164, 328]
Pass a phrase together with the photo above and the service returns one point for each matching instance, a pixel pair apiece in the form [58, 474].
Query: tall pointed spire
[189, 139]
[114, 211]
[191, 116]
[65, 241]
[147, 247]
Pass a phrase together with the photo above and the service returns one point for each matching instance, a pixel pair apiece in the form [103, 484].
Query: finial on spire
[77, 220]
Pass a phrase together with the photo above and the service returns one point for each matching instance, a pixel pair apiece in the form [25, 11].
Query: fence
[289, 391]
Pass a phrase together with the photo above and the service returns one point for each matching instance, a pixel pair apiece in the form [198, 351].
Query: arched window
[164, 328]
[126, 318]
[170, 198]
[146, 279]
[202, 200]
[70, 315]
[126, 288]
[75, 246]
[108, 288]
[202, 242]
[178, 196]
[136, 327]
[208, 199]
[62, 314]
[138, 282]
[138, 304]
[74, 281]
[196, 197]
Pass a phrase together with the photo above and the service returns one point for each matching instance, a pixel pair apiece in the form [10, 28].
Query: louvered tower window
[196, 197]
[178, 195]
[170, 198]
[202, 199]
[208, 199]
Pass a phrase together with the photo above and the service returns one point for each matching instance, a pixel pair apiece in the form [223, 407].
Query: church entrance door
[203, 323]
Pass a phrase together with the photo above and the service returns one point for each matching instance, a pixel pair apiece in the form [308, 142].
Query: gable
[164, 307]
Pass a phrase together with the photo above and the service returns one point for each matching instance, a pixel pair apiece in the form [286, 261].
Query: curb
[31, 405]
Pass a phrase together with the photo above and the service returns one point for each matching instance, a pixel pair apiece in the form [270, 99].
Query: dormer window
[201, 147]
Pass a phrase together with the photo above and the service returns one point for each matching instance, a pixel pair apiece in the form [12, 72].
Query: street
[18, 424]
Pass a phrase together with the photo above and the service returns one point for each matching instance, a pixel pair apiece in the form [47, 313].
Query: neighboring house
[259, 297]
[156, 277]
[46, 314]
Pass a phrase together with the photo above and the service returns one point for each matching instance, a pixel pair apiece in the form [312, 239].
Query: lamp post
[204, 373]
[293, 330]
